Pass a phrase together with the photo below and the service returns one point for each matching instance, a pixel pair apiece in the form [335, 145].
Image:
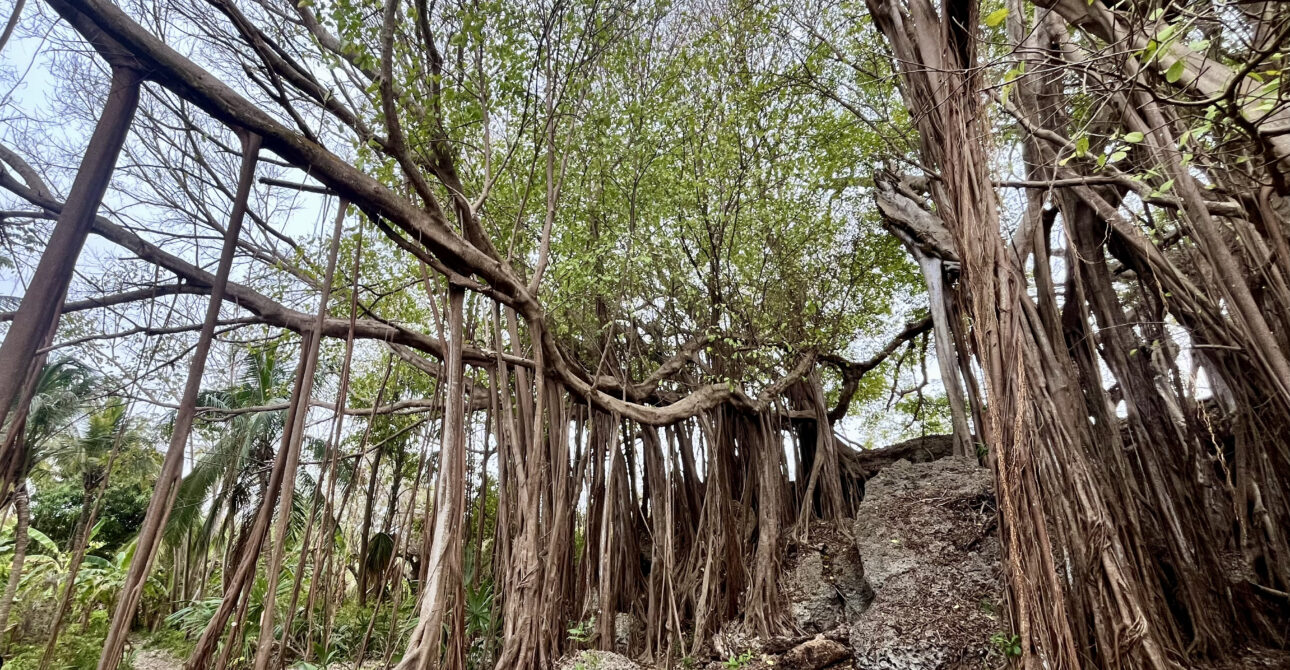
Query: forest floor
[154, 658]
[1253, 659]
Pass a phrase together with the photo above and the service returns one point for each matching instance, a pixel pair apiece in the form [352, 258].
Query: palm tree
[61, 392]
[227, 477]
[93, 455]
[111, 440]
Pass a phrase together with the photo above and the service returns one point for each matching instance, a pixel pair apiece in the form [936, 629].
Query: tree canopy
[457, 327]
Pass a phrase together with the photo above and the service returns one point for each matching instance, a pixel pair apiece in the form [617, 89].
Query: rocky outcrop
[926, 533]
[865, 464]
[911, 584]
[825, 581]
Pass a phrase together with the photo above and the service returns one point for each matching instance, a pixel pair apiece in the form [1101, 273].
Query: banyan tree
[579, 298]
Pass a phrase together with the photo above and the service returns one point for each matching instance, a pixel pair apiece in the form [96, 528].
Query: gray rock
[626, 628]
[816, 654]
[927, 536]
[825, 581]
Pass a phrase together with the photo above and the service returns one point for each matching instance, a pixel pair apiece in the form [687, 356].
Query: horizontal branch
[852, 371]
[306, 188]
[150, 331]
[409, 406]
[198, 280]
[122, 298]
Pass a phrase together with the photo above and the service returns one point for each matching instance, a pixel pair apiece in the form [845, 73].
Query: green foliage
[1007, 645]
[62, 390]
[78, 648]
[481, 624]
[583, 631]
[697, 186]
[738, 661]
[351, 623]
[113, 455]
[56, 510]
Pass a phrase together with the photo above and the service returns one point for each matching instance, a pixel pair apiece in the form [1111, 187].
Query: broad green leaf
[1081, 145]
[43, 540]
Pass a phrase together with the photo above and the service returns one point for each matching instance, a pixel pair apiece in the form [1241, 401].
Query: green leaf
[1150, 52]
[1081, 145]
[43, 540]
[1134, 137]
[1118, 156]
[1175, 72]
[996, 17]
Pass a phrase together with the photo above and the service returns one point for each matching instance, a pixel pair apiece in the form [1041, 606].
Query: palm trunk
[22, 508]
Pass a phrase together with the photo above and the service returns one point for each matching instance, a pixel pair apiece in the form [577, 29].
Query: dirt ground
[154, 659]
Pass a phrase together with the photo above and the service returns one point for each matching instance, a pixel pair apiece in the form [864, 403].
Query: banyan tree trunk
[1056, 500]
[441, 591]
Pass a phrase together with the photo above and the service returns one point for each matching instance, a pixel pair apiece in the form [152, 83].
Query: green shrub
[77, 649]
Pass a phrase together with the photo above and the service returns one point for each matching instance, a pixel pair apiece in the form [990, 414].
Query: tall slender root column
[444, 560]
[38, 313]
[272, 571]
[163, 496]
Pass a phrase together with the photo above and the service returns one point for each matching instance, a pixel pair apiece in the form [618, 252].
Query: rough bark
[22, 511]
[441, 591]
